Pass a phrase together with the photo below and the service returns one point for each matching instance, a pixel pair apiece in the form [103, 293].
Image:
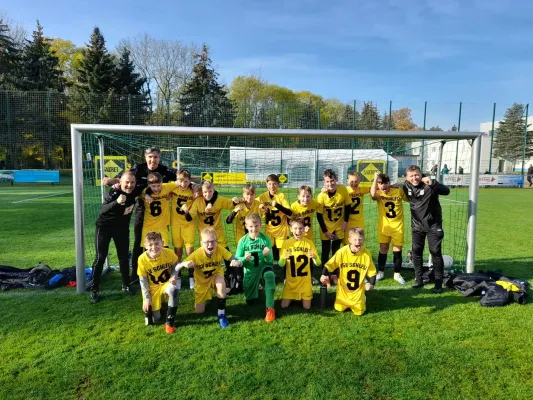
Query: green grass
[409, 345]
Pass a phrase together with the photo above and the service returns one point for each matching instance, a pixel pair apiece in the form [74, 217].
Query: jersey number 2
[295, 272]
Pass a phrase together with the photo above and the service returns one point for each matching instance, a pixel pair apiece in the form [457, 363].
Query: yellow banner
[225, 178]
[113, 166]
[367, 169]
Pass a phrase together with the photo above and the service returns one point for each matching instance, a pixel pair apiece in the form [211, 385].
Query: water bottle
[324, 294]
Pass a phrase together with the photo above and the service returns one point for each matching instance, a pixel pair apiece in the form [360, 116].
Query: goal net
[232, 157]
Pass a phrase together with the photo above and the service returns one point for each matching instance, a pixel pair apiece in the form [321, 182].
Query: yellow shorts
[204, 291]
[162, 231]
[293, 295]
[276, 241]
[347, 233]
[157, 294]
[356, 309]
[396, 237]
[338, 232]
[183, 236]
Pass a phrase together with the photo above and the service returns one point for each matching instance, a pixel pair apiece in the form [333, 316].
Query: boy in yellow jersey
[183, 230]
[276, 229]
[332, 214]
[390, 223]
[355, 265]
[209, 208]
[298, 255]
[247, 206]
[158, 279]
[207, 262]
[356, 194]
[157, 206]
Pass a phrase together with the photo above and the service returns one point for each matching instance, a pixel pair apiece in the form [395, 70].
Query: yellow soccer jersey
[205, 267]
[357, 217]
[332, 208]
[157, 213]
[276, 225]
[298, 269]
[354, 268]
[390, 210]
[240, 229]
[180, 198]
[307, 213]
[211, 218]
[158, 271]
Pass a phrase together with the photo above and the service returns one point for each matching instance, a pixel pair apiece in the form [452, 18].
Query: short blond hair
[207, 185]
[253, 218]
[207, 232]
[357, 230]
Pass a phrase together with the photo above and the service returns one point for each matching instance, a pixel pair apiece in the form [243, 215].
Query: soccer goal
[231, 157]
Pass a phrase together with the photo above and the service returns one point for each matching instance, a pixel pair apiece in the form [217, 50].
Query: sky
[406, 51]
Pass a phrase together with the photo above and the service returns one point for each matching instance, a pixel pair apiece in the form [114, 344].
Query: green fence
[35, 126]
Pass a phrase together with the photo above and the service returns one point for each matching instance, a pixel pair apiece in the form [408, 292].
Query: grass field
[409, 345]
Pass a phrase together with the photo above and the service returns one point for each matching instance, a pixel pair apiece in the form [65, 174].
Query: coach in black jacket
[114, 223]
[426, 220]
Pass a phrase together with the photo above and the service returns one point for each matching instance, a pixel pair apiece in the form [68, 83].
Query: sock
[148, 317]
[270, 287]
[397, 258]
[221, 303]
[171, 314]
[382, 260]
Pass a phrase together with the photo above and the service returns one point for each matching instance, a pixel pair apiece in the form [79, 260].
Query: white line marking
[454, 201]
[40, 197]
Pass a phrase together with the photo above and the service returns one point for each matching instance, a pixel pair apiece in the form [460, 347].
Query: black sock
[148, 317]
[382, 260]
[397, 258]
[221, 303]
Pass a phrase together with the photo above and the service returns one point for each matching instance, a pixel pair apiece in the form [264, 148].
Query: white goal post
[77, 130]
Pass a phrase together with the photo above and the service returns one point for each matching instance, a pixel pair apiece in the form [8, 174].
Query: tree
[9, 58]
[204, 101]
[39, 65]
[370, 119]
[95, 82]
[509, 138]
[130, 89]
[166, 65]
[435, 128]
[69, 57]
[402, 120]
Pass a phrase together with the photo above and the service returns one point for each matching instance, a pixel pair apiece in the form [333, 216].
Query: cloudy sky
[404, 51]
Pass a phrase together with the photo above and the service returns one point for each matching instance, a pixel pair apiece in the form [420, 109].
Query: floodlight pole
[77, 166]
[472, 205]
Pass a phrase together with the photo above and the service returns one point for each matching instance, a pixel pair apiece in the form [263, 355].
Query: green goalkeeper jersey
[255, 247]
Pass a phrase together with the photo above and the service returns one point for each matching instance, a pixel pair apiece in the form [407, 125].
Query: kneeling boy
[255, 252]
[356, 265]
[158, 279]
[207, 262]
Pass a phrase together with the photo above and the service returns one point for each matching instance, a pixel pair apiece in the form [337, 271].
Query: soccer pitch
[410, 344]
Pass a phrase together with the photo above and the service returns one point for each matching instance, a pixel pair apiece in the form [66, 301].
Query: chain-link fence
[35, 126]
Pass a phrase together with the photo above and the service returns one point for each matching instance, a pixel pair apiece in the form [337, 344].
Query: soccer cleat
[170, 327]
[126, 289]
[399, 278]
[94, 297]
[270, 314]
[380, 275]
[223, 321]
[417, 284]
[191, 283]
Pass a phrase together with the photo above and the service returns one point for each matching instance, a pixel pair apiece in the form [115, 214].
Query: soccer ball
[448, 261]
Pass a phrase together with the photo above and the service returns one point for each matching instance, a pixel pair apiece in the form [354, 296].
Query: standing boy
[356, 193]
[390, 224]
[426, 221]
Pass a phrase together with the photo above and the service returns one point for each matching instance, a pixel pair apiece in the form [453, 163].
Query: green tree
[39, 67]
[435, 128]
[95, 82]
[69, 56]
[9, 58]
[509, 138]
[203, 101]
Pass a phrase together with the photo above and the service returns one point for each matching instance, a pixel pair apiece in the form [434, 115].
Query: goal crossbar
[77, 130]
